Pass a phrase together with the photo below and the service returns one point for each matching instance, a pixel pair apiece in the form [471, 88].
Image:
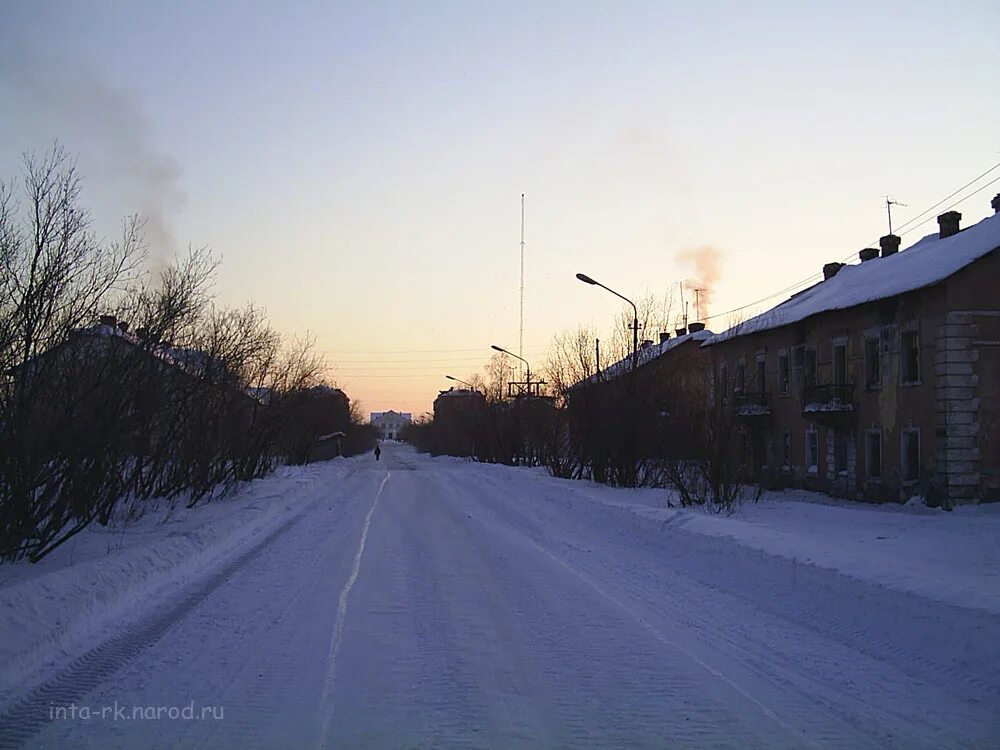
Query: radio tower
[520, 340]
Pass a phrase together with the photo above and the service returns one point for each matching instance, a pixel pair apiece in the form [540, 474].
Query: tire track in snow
[326, 702]
[30, 715]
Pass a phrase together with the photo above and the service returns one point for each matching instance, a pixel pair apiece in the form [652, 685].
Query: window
[812, 451]
[724, 383]
[761, 384]
[809, 367]
[840, 363]
[873, 453]
[840, 446]
[741, 377]
[873, 363]
[909, 353]
[783, 374]
[787, 448]
[911, 454]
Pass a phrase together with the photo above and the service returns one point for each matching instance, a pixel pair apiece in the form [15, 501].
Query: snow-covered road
[436, 603]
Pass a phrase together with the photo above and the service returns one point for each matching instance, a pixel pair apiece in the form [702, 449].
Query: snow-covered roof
[929, 261]
[459, 392]
[645, 356]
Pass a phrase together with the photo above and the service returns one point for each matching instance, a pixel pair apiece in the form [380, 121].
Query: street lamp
[526, 365]
[471, 386]
[635, 314]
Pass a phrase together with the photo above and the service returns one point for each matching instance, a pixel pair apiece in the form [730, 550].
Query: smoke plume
[703, 265]
[107, 127]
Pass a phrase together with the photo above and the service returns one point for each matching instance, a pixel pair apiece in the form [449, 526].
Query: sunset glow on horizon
[358, 168]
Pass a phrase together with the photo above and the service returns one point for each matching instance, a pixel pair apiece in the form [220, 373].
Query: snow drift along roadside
[58, 607]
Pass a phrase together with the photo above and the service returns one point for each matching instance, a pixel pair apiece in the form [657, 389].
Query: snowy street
[420, 602]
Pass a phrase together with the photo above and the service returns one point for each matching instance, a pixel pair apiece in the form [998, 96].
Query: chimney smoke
[705, 261]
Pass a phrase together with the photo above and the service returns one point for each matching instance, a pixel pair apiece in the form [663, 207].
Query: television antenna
[889, 203]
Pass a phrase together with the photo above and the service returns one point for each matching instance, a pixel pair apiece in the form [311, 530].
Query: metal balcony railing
[828, 397]
[752, 404]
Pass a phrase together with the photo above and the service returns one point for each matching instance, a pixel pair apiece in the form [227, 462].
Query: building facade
[390, 423]
[881, 382]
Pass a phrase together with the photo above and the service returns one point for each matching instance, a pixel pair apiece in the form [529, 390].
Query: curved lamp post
[635, 314]
[471, 386]
[526, 365]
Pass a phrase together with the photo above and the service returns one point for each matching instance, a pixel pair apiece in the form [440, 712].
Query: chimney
[107, 320]
[646, 344]
[869, 253]
[948, 223]
[996, 203]
[889, 245]
[664, 336]
[123, 326]
[680, 332]
[695, 327]
[830, 270]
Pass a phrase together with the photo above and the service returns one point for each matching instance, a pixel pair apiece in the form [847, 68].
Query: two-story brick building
[883, 380]
[631, 411]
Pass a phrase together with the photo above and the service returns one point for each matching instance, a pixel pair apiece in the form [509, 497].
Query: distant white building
[390, 423]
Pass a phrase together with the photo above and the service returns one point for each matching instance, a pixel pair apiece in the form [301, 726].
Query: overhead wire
[904, 228]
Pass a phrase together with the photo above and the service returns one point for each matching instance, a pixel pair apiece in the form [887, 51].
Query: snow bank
[952, 557]
[102, 575]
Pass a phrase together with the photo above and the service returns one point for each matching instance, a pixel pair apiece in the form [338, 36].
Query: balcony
[830, 402]
[752, 405]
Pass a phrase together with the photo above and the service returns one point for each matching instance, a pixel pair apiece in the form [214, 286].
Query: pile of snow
[102, 575]
[952, 557]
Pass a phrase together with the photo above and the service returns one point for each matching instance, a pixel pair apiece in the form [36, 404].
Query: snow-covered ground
[421, 602]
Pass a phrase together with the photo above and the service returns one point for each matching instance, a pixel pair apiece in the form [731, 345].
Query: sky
[358, 167]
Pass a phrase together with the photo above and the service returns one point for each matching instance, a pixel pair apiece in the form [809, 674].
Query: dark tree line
[118, 386]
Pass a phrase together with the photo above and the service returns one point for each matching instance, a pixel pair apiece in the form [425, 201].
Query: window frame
[904, 456]
[873, 436]
[873, 340]
[840, 343]
[809, 352]
[740, 385]
[812, 468]
[784, 373]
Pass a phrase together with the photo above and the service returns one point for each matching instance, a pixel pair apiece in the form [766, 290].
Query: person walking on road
[378, 452]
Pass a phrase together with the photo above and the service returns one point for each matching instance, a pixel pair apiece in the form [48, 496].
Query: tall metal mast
[520, 341]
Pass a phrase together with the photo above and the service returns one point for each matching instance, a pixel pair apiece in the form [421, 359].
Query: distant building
[390, 423]
[459, 422]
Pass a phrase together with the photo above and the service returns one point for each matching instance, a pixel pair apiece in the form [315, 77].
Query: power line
[816, 277]
[418, 351]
